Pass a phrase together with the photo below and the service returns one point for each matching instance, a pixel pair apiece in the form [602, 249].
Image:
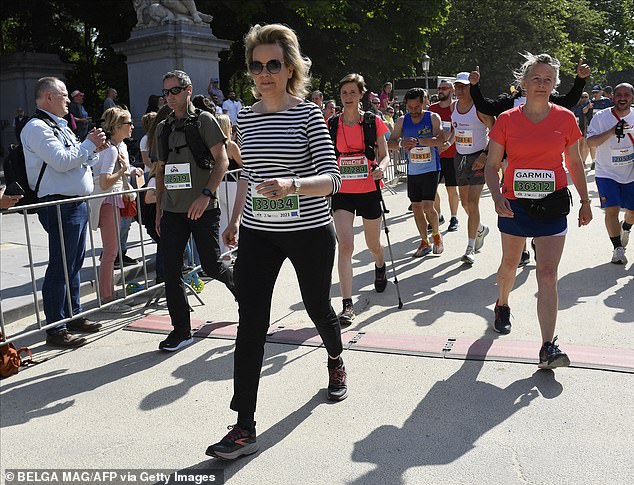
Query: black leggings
[260, 257]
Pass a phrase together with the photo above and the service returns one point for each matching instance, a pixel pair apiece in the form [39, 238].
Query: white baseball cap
[462, 78]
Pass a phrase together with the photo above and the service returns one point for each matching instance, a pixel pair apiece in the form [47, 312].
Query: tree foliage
[381, 39]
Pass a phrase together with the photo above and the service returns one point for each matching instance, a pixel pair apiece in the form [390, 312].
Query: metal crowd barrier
[148, 290]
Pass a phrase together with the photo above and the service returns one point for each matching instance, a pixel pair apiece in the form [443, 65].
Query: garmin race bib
[353, 167]
[262, 207]
[533, 184]
[420, 154]
[622, 157]
[177, 176]
[464, 138]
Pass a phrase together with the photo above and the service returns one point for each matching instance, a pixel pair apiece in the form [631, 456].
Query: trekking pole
[387, 235]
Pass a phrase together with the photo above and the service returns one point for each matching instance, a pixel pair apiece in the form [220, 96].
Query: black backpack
[15, 166]
[369, 133]
[195, 143]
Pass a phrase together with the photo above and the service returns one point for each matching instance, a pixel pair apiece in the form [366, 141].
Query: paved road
[117, 402]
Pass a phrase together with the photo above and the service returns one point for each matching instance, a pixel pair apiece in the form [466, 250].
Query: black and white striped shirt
[288, 144]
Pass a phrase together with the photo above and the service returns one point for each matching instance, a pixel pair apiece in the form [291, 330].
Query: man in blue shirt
[59, 167]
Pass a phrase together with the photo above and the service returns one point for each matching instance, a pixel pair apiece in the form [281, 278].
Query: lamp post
[425, 63]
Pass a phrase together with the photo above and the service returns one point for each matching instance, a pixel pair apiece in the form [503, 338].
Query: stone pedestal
[152, 51]
[19, 73]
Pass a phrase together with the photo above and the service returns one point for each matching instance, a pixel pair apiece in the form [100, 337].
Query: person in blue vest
[420, 133]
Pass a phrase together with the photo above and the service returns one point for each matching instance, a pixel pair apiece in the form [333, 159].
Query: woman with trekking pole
[359, 140]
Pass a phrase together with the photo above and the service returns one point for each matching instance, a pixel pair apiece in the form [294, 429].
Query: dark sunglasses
[127, 123]
[273, 66]
[175, 90]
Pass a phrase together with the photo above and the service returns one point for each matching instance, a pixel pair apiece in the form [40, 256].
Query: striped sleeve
[321, 148]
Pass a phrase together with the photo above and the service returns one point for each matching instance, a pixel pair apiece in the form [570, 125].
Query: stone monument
[169, 34]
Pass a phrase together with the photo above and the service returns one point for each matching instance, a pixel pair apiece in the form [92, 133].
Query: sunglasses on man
[175, 90]
[273, 66]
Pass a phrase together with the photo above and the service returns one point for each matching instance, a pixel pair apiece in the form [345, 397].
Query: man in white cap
[471, 134]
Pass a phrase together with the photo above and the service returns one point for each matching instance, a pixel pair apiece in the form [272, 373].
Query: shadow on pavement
[446, 424]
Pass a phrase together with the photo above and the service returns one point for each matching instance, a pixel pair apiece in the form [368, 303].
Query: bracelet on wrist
[584, 201]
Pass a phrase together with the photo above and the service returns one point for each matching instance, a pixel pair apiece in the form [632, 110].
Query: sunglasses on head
[175, 90]
[273, 66]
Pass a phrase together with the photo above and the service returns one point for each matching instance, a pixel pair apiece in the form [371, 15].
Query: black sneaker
[237, 442]
[347, 315]
[525, 258]
[453, 224]
[551, 357]
[175, 342]
[380, 278]
[502, 319]
[128, 261]
[337, 387]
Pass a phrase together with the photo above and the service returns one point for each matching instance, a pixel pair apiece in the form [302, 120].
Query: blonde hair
[225, 125]
[112, 118]
[521, 74]
[287, 39]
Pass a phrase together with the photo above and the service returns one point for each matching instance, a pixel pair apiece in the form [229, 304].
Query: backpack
[10, 361]
[369, 133]
[194, 141]
[15, 166]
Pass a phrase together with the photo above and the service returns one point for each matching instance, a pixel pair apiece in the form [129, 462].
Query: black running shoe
[453, 224]
[337, 386]
[380, 278]
[551, 357]
[502, 319]
[237, 442]
[175, 342]
[526, 257]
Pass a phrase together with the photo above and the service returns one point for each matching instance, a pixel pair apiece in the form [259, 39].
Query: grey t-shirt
[184, 179]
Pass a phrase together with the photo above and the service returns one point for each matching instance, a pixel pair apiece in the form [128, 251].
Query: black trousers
[175, 231]
[260, 257]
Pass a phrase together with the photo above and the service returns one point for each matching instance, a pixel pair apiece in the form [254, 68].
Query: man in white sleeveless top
[471, 131]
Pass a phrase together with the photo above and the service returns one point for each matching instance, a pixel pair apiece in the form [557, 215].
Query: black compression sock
[332, 363]
[627, 226]
[246, 421]
[616, 241]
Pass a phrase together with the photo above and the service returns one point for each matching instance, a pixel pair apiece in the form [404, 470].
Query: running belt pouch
[552, 206]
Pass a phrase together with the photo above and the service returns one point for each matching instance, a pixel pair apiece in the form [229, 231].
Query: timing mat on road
[499, 349]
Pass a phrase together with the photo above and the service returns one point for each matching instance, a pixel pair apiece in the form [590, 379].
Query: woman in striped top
[280, 209]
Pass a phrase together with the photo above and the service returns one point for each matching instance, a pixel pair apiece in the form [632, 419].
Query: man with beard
[614, 143]
[444, 108]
